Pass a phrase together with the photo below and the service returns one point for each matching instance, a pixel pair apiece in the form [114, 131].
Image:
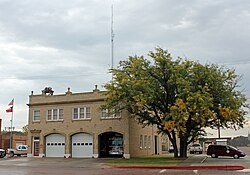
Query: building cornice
[67, 102]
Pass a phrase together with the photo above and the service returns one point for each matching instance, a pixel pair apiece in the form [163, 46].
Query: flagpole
[11, 127]
[11, 121]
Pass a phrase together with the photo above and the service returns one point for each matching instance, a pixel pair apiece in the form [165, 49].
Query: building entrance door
[156, 145]
[36, 148]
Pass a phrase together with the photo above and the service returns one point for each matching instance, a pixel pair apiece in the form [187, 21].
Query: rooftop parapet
[68, 97]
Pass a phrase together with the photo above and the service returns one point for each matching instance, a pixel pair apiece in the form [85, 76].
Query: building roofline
[67, 102]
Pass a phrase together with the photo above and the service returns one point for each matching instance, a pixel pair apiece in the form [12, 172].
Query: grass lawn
[146, 161]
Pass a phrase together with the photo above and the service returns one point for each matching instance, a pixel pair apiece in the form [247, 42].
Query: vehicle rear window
[217, 147]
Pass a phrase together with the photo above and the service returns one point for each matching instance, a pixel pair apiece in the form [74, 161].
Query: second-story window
[54, 114]
[36, 115]
[108, 114]
[81, 113]
[60, 116]
[49, 114]
[104, 113]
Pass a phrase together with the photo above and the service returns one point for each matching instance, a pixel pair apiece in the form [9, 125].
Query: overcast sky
[61, 43]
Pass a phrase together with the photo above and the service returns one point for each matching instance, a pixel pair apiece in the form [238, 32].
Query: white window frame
[104, 114]
[149, 142]
[145, 141]
[49, 113]
[60, 114]
[34, 116]
[86, 114]
[58, 117]
[141, 141]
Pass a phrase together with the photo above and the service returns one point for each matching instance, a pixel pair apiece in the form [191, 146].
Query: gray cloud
[67, 43]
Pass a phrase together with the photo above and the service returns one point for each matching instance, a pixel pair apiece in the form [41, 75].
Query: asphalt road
[61, 166]
[89, 171]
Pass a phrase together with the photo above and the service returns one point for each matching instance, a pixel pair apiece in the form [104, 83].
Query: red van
[224, 150]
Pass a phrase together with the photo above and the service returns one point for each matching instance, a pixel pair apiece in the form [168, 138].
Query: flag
[11, 103]
[10, 109]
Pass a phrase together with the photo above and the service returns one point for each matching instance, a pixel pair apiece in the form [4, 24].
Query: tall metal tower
[112, 37]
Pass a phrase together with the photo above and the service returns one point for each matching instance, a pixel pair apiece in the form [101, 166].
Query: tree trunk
[183, 147]
[174, 143]
[175, 149]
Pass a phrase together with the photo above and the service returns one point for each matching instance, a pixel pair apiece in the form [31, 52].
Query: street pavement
[195, 164]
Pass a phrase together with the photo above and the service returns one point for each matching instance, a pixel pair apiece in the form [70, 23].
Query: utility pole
[219, 131]
[219, 128]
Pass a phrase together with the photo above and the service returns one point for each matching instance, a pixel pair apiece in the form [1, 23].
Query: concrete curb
[214, 167]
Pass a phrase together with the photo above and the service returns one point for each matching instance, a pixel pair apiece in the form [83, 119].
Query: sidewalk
[194, 160]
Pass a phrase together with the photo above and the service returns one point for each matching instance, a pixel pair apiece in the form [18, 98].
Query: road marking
[163, 171]
[244, 170]
[195, 171]
[204, 160]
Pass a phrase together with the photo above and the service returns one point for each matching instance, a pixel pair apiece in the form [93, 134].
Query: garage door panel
[55, 145]
[82, 145]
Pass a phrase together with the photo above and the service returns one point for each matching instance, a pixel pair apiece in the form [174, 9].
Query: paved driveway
[52, 162]
[60, 166]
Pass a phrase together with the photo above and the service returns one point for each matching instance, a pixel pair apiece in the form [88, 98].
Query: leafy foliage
[25, 129]
[180, 97]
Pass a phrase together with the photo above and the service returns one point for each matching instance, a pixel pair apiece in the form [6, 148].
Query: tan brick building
[74, 125]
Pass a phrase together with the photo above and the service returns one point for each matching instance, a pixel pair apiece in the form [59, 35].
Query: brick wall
[95, 126]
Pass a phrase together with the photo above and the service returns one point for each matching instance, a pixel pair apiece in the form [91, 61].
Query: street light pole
[219, 131]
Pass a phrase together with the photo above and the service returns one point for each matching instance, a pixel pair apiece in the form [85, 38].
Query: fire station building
[74, 125]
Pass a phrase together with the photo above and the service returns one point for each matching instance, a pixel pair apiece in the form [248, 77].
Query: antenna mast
[112, 37]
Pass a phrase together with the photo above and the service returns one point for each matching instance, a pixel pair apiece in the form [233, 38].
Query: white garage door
[82, 145]
[55, 145]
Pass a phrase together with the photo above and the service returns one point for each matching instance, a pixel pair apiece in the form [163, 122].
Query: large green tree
[180, 97]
